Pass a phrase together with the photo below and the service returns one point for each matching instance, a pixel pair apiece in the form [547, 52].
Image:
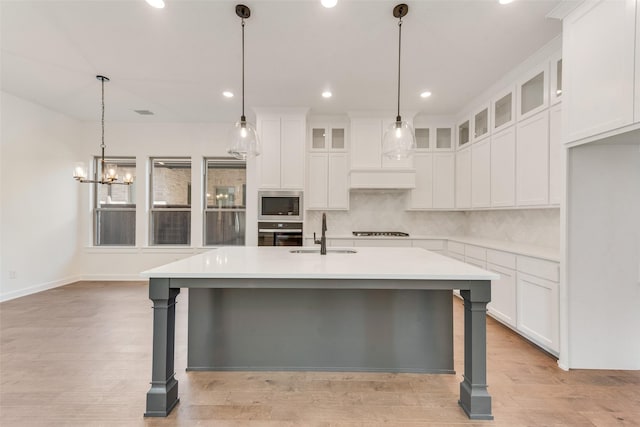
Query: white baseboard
[113, 277]
[38, 288]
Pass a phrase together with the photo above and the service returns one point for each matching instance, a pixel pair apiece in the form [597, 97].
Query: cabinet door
[598, 49]
[464, 134]
[503, 168]
[463, 179]
[537, 310]
[316, 197]
[292, 152]
[532, 161]
[366, 143]
[421, 197]
[338, 185]
[318, 137]
[443, 180]
[556, 169]
[269, 159]
[503, 295]
[481, 174]
[533, 91]
[444, 138]
[555, 79]
[503, 111]
[481, 124]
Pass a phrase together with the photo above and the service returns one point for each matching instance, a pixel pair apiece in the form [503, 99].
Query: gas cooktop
[380, 233]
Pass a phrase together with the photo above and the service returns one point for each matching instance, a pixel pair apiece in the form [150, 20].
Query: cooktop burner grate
[380, 233]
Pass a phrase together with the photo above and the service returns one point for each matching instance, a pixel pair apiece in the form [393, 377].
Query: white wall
[39, 198]
[195, 140]
[603, 259]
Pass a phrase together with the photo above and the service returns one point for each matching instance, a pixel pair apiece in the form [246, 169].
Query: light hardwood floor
[80, 355]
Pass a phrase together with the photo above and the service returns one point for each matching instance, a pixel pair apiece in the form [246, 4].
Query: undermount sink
[329, 251]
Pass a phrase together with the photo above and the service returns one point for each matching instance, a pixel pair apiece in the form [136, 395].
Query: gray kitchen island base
[163, 395]
[384, 330]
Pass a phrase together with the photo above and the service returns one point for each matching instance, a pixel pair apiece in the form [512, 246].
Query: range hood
[384, 179]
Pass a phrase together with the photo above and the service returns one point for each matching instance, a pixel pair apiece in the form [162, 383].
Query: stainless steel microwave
[280, 206]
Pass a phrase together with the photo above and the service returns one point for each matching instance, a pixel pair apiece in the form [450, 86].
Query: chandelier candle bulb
[80, 171]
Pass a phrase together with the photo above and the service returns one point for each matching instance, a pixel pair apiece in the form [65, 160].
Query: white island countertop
[279, 262]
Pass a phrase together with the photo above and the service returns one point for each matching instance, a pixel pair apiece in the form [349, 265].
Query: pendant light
[243, 136]
[399, 141]
[109, 172]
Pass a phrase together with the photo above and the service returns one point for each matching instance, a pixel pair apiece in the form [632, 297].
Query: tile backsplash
[378, 210]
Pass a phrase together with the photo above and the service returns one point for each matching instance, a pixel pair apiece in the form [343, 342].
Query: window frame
[97, 210]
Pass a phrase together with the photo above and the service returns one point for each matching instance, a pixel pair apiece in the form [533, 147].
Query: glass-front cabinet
[481, 123]
[533, 92]
[555, 79]
[463, 134]
[434, 138]
[326, 136]
[503, 109]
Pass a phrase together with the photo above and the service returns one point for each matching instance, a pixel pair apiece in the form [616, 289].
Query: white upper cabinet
[328, 137]
[555, 79]
[338, 181]
[598, 49]
[532, 160]
[464, 134]
[463, 178]
[434, 138]
[503, 108]
[317, 184]
[444, 138]
[533, 91]
[556, 170]
[281, 163]
[444, 180]
[481, 124]
[421, 197]
[503, 168]
[481, 174]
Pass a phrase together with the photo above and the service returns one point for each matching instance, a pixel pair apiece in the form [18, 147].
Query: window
[170, 191]
[115, 207]
[225, 201]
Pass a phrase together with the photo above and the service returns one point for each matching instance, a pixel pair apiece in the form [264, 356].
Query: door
[444, 180]
[537, 310]
[481, 174]
[503, 168]
[503, 295]
[422, 195]
[532, 161]
[463, 179]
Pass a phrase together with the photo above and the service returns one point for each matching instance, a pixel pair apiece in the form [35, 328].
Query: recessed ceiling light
[158, 4]
[327, 94]
[505, 1]
[227, 94]
[329, 3]
[425, 94]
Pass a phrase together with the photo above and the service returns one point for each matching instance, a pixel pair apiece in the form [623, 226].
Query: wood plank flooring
[80, 355]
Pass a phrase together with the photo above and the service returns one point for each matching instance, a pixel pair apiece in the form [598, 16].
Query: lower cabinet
[538, 310]
[503, 295]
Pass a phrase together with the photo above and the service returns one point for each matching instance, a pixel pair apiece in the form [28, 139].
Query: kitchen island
[285, 308]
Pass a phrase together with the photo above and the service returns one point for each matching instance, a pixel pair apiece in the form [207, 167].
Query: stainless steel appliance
[279, 234]
[380, 233]
[280, 206]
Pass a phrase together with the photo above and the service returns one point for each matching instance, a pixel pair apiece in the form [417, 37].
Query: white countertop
[279, 262]
[543, 252]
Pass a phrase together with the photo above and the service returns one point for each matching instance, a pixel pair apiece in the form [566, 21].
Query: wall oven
[280, 206]
[279, 234]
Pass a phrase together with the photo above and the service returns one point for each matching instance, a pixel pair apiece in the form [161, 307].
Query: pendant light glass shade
[243, 138]
[399, 141]
[244, 141]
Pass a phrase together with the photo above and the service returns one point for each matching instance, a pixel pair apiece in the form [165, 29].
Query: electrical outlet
[12, 274]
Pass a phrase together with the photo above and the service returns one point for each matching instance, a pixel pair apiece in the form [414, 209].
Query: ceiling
[177, 61]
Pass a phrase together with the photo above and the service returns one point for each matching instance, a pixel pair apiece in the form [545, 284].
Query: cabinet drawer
[431, 245]
[476, 262]
[455, 247]
[504, 259]
[456, 256]
[548, 270]
[475, 252]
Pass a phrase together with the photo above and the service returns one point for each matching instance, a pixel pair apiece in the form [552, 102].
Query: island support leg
[474, 397]
[163, 394]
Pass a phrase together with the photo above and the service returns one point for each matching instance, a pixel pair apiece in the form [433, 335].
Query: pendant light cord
[102, 146]
[243, 118]
[398, 119]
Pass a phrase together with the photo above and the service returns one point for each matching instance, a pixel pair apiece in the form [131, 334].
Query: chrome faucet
[323, 238]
